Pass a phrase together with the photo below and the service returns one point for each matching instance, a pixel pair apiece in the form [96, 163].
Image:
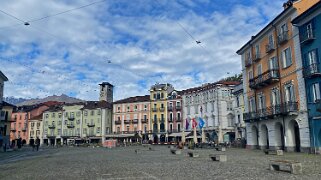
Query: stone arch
[264, 137]
[279, 136]
[293, 135]
[255, 137]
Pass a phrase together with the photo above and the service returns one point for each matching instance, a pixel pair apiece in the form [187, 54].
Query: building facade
[238, 107]
[5, 116]
[88, 121]
[309, 25]
[132, 117]
[275, 105]
[213, 102]
[159, 114]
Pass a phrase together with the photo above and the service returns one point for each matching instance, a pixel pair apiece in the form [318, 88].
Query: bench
[273, 152]
[220, 148]
[218, 157]
[282, 165]
[193, 154]
[176, 151]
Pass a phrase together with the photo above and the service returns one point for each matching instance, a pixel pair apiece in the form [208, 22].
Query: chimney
[288, 4]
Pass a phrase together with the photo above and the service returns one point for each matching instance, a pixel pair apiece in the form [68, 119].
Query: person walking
[37, 143]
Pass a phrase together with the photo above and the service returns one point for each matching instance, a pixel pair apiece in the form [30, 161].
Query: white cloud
[142, 39]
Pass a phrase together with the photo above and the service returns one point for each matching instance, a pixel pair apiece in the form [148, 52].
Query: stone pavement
[125, 163]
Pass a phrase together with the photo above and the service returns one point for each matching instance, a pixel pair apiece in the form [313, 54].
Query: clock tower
[106, 92]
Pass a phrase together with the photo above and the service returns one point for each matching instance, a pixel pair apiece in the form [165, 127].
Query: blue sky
[131, 44]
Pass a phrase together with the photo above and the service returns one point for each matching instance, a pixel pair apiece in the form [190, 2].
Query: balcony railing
[306, 35]
[178, 107]
[170, 119]
[311, 70]
[135, 121]
[91, 124]
[173, 131]
[283, 37]
[51, 126]
[154, 109]
[162, 109]
[288, 108]
[170, 108]
[70, 126]
[178, 119]
[264, 79]
[118, 122]
[269, 48]
[71, 118]
[144, 120]
[257, 57]
[126, 121]
[161, 120]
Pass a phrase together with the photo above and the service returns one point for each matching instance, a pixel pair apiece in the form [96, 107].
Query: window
[118, 108]
[261, 100]
[59, 132]
[127, 128]
[128, 108]
[250, 75]
[179, 127]
[252, 107]
[84, 131]
[135, 108]
[65, 122]
[286, 57]
[85, 113]
[47, 116]
[38, 124]
[275, 97]
[78, 121]
[59, 115]
[171, 116]
[311, 60]
[145, 128]
[289, 93]
[32, 124]
[66, 114]
[92, 112]
[118, 129]
[238, 118]
[162, 95]
[59, 122]
[271, 41]
[248, 57]
[259, 69]
[98, 112]
[315, 92]
[171, 127]
[178, 116]
[145, 107]
[53, 115]
[98, 130]
[78, 113]
[237, 101]
[178, 104]
[78, 131]
[145, 117]
[257, 51]
[212, 107]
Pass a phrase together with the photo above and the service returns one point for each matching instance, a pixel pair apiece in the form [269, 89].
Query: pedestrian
[32, 144]
[37, 143]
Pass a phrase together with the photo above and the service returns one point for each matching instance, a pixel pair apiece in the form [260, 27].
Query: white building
[214, 103]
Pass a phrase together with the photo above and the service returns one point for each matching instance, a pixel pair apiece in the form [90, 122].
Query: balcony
[311, 71]
[269, 48]
[170, 108]
[161, 120]
[248, 62]
[51, 126]
[144, 120]
[306, 35]
[178, 119]
[257, 57]
[70, 126]
[154, 109]
[13, 130]
[127, 121]
[118, 122]
[250, 116]
[178, 108]
[170, 120]
[135, 121]
[290, 108]
[162, 109]
[91, 124]
[265, 79]
[283, 37]
[71, 118]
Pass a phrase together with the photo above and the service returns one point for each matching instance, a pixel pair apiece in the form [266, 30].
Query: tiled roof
[26, 108]
[39, 117]
[6, 104]
[145, 98]
[97, 104]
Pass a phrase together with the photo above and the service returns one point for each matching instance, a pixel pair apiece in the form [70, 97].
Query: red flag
[194, 123]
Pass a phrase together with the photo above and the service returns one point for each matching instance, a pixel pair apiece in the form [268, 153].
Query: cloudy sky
[129, 43]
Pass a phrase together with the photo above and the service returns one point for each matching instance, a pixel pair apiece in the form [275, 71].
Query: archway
[155, 138]
[162, 138]
[279, 136]
[264, 137]
[214, 137]
[255, 137]
[294, 135]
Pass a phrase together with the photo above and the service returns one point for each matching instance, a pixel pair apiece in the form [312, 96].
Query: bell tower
[106, 92]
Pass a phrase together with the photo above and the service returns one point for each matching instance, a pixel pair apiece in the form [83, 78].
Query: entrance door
[297, 137]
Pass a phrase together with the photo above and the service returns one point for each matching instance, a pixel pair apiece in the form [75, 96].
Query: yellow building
[158, 111]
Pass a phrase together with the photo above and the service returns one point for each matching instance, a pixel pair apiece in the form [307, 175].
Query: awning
[191, 137]
[176, 134]
[119, 135]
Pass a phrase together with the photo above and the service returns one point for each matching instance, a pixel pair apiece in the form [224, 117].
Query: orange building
[275, 105]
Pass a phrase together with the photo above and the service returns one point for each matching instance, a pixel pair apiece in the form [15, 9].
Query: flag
[201, 123]
[186, 124]
[194, 123]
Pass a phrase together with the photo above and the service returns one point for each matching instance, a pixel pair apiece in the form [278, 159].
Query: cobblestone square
[125, 163]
